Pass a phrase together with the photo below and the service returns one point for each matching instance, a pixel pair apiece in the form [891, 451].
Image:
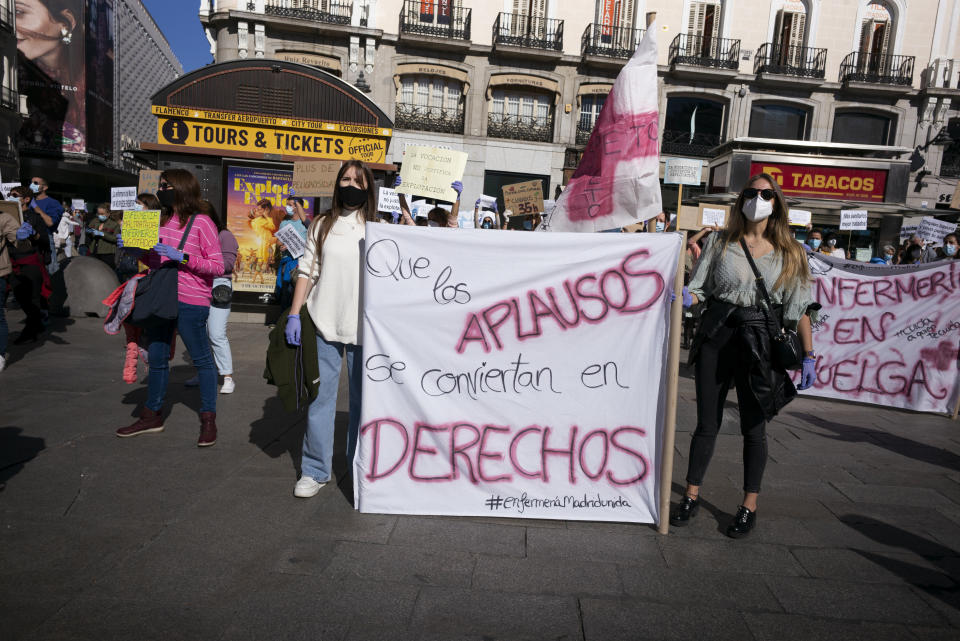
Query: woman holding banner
[328, 282]
[732, 345]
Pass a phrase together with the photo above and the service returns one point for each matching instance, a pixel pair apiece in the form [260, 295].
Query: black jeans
[26, 290]
[720, 363]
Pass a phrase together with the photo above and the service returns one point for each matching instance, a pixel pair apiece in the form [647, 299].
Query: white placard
[123, 198]
[389, 201]
[714, 217]
[682, 171]
[290, 237]
[488, 202]
[471, 417]
[465, 220]
[853, 219]
[799, 217]
[6, 187]
[77, 204]
[932, 230]
[419, 208]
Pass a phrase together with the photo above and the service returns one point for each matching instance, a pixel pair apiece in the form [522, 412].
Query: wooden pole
[956, 410]
[679, 203]
[673, 382]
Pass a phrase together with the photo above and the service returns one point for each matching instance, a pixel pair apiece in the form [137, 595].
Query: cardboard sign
[688, 219]
[428, 172]
[149, 181]
[78, 205]
[389, 201]
[315, 178]
[123, 198]
[524, 198]
[955, 200]
[853, 219]
[682, 171]
[932, 230]
[289, 236]
[12, 207]
[140, 229]
[799, 217]
[713, 215]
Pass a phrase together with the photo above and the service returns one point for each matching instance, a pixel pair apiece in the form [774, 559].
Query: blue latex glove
[119, 241]
[457, 187]
[397, 183]
[292, 330]
[169, 251]
[808, 376]
[476, 205]
[25, 231]
[687, 298]
[94, 232]
[396, 217]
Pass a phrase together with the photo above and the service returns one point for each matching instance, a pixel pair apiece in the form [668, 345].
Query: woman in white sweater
[328, 281]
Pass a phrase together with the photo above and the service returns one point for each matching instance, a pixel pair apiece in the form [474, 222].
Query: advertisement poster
[255, 270]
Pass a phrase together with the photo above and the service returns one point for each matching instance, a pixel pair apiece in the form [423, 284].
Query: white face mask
[659, 226]
[756, 209]
[138, 206]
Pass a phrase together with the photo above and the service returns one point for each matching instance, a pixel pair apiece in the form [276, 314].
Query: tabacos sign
[840, 183]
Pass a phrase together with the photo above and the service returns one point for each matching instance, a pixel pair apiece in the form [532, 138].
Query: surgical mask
[289, 210]
[815, 243]
[351, 196]
[888, 258]
[756, 209]
[167, 198]
[832, 242]
[660, 226]
[35, 188]
[138, 207]
[949, 250]
[101, 217]
[432, 223]
[486, 225]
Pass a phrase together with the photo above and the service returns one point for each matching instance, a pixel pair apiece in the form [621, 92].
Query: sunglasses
[164, 185]
[750, 193]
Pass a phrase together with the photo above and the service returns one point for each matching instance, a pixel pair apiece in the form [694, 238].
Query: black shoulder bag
[786, 350]
[156, 299]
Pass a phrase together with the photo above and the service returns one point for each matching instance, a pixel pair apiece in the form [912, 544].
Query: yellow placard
[141, 229]
[269, 140]
[315, 177]
[524, 198]
[429, 171]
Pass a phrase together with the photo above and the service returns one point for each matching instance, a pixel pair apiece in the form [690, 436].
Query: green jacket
[106, 244]
[284, 362]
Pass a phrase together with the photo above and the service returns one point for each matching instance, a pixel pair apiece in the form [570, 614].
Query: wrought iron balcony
[520, 127]
[315, 10]
[682, 143]
[614, 42]
[420, 118]
[705, 51]
[9, 99]
[519, 30]
[439, 18]
[877, 69]
[802, 62]
[584, 129]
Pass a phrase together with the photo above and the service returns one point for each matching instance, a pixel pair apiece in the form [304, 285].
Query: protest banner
[289, 236]
[77, 204]
[539, 389]
[389, 201]
[524, 198]
[315, 177]
[141, 229]
[149, 181]
[932, 230]
[123, 198]
[887, 335]
[799, 217]
[853, 219]
[682, 171]
[428, 172]
[713, 215]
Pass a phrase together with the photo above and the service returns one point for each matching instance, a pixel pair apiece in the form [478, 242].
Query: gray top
[726, 275]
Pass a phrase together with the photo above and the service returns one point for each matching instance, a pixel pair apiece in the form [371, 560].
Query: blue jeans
[318, 441]
[191, 325]
[4, 332]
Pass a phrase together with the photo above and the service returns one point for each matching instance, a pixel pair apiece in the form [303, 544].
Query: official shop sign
[841, 183]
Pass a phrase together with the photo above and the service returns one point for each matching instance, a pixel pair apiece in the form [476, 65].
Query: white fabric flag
[618, 180]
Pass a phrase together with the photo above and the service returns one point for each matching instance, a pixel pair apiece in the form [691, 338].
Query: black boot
[743, 522]
[685, 511]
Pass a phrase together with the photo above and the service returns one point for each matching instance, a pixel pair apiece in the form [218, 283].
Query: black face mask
[351, 196]
[167, 198]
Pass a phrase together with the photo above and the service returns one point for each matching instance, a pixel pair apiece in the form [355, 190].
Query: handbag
[156, 301]
[786, 350]
[221, 296]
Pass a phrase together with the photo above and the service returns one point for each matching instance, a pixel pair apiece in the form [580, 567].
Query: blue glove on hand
[25, 231]
[97, 232]
[292, 330]
[687, 298]
[170, 252]
[397, 182]
[396, 217]
[808, 375]
[457, 187]
[476, 205]
[119, 241]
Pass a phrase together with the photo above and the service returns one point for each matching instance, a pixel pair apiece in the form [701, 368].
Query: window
[862, 128]
[790, 34]
[616, 13]
[590, 106]
[703, 29]
[778, 121]
[520, 115]
[875, 33]
[430, 103]
[693, 126]
[533, 8]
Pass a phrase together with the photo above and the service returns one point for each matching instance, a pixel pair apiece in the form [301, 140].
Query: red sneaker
[208, 429]
[148, 422]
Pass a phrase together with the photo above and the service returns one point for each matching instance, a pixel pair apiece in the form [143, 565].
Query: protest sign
[289, 236]
[538, 391]
[853, 219]
[141, 229]
[932, 230]
[428, 172]
[524, 198]
[123, 198]
[77, 204]
[315, 177]
[465, 220]
[420, 208]
[488, 202]
[682, 171]
[149, 181]
[688, 219]
[955, 200]
[909, 226]
[6, 187]
[799, 217]
[13, 208]
[388, 201]
[713, 215]
[887, 335]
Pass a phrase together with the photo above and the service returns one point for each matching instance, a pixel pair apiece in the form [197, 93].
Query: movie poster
[257, 257]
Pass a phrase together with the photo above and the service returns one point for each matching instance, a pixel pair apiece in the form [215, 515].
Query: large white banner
[514, 375]
[887, 335]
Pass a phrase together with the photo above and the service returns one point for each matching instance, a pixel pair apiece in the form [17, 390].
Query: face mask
[756, 209]
[351, 196]
[35, 188]
[167, 198]
[138, 207]
[815, 243]
[486, 225]
[101, 217]
[289, 210]
[431, 223]
[660, 226]
[832, 242]
[949, 250]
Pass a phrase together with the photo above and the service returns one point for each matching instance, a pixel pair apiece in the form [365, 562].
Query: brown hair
[149, 200]
[795, 268]
[207, 209]
[323, 223]
[187, 190]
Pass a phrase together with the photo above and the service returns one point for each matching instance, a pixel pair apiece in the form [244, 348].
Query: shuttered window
[703, 24]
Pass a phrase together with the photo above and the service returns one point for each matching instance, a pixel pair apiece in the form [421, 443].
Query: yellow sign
[187, 113]
[524, 198]
[429, 171]
[141, 229]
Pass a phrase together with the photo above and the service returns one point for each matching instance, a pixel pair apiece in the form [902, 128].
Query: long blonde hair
[795, 269]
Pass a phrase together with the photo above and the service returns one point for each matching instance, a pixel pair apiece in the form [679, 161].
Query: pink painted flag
[618, 180]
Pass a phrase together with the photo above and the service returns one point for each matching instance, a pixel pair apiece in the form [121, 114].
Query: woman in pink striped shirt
[199, 262]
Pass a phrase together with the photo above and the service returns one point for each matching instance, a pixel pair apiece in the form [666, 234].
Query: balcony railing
[442, 19]
[420, 118]
[802, 62]
[682, 143]
[877, 69]
[584, 129]
[705, 51]
[316, 10]
[519, 30]
[9, 99]
[941, 74]
[605, 40]
[520, 127]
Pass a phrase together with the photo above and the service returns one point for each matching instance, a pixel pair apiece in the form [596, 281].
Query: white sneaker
[306, 487]
[193, 382]
[228, 385]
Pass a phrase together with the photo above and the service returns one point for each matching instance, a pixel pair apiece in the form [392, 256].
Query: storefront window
[778, 121]
[693, 126]
[430, 103]
[862, 128]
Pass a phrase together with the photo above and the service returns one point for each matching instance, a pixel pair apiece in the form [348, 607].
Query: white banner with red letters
[887, 335]
[514, 375]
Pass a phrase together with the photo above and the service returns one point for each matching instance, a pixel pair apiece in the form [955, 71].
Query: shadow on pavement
[722, 518]
[57, 325]
[176, 392]
[278, 431]
[17, 450]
